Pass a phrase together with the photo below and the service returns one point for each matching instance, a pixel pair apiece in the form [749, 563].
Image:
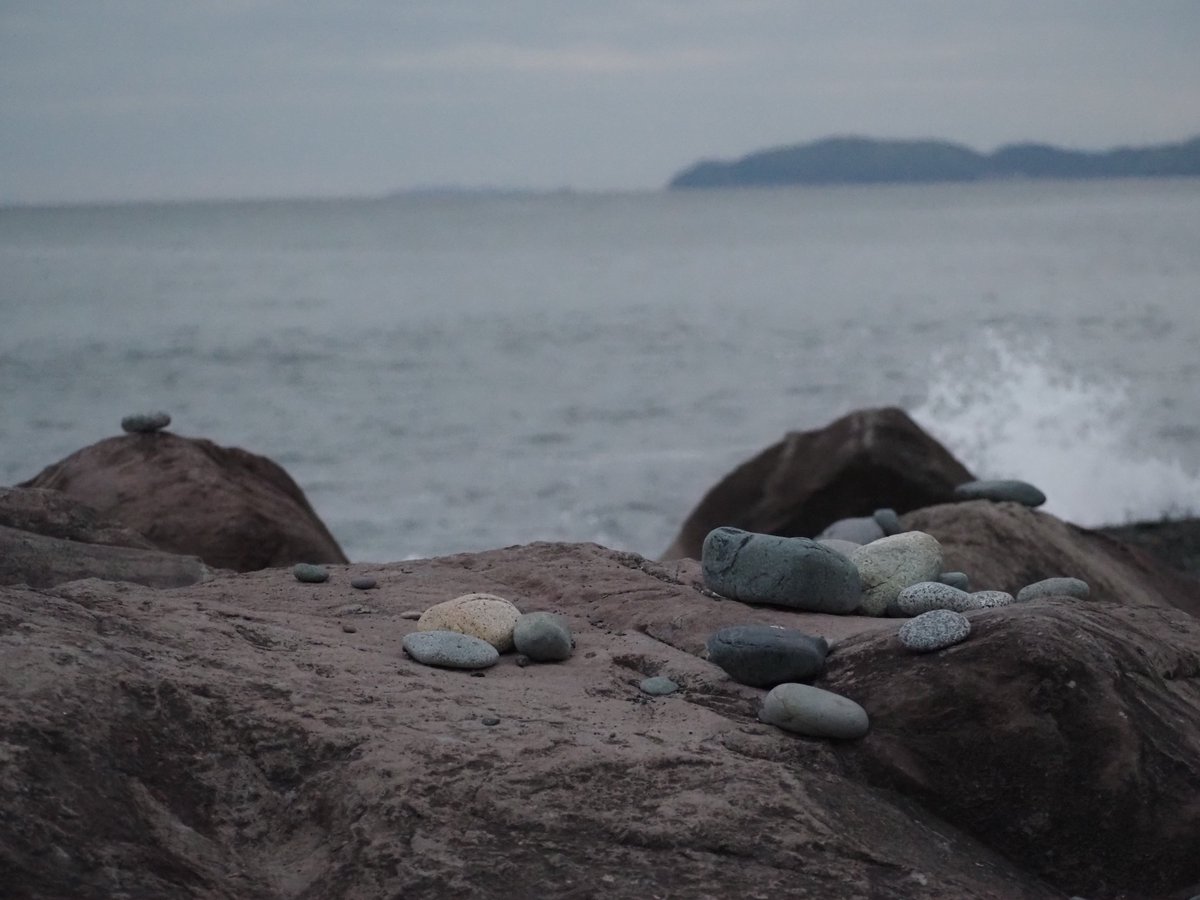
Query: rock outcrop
[233, 509]
[870, 459]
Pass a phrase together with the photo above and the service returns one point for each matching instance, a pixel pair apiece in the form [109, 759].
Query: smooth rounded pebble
[767, 655]
[490, 720]
[310, 574]
[542, 636]
[928, 595]
[888, 521]
[450, 650]
[485, 616]
[782, 571]
[145, 423]
[814, 712]
[889, 565]
[860, 530]
[934, 630]
[988, 599]
[658, 686]
[955, 579]
[363, 583]
[1001, 490]
[1050, 587]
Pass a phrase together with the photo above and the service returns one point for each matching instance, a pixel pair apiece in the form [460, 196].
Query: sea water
[455, 372]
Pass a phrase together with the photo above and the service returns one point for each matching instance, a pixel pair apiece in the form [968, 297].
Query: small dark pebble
[348, 628]
[491, 720]
[477, 675]
[522, 660]
[363, 582]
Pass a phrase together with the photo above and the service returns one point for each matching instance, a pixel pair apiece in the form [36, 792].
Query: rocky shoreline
[764, 722]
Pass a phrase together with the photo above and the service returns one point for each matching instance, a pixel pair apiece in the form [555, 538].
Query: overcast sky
[136, 99]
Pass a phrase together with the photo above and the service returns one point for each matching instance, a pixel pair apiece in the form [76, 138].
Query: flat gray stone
[543, 637]
[814, 712]
[1001, 490]
[955, 579]
[1052, 587]
[934, 630]
[767, 655]
[450, 650]
[888, 521]
[988, 599]
[782, 571]
[658, 686]
[889, 565]
[145, 423]
[310, 574]
[362, 582]
[929, 595]
[860, 530]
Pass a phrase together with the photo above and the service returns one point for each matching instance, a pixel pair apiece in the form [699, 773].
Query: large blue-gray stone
[1050, 587]
[450, 650]
[1001, 490]
[811, 711]
[782, 571]
[543, 637]
[859, 530]
[767, 655]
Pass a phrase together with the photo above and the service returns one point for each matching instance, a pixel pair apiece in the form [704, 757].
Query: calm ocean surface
[446, 373]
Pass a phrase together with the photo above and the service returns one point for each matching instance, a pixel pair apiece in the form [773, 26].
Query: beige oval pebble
[484, 616]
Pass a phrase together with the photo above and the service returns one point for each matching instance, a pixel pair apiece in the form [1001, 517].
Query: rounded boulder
[485, 616]
[814, 712]
[543, 637]
[889, 565]
[767, 655]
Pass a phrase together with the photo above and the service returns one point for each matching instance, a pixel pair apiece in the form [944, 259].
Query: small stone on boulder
[1001, 490]
[450, 650]
[145, 423]
[362, 582]
[890, 564]
[1050, 587]
[929, 595]
[485, 616]
[988, 599]
[956, 579]
[934, 630]
[813, 712]
[543, 637]
[859, 530]
[767, 655]
[658, 686]
[310, 574]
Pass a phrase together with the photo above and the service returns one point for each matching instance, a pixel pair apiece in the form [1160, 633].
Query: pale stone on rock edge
[484, 616]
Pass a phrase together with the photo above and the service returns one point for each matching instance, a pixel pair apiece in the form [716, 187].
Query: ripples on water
[442, 374]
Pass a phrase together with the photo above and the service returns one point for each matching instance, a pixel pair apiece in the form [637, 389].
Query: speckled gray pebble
[934, 630]
[450, 650]
[1001, 490]
[145, 423]
[814, 712]
[783, 571]
[955, 579]
[658, 686]
[767, 655]
[543, 637]
[888, 521]
[860, 530]
[309, 573]
[928, 595]
[363, 583]
[1050, 587]
[988, 599]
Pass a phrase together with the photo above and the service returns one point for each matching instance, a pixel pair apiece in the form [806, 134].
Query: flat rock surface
[230, 740]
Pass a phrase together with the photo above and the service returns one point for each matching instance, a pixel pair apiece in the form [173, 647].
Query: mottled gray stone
[859, 530]
[934, 630]
[1050, 587]
[542, 636]
[767, 655]
[811, 711]
[145, 423]
[450, 650]
[888, 521]
[889, 565]
[362, 582]
[1001, 490]
[310, 574]
[955, 579]
[927, 595]
[988, 599]
[658, 686]
[783, 571]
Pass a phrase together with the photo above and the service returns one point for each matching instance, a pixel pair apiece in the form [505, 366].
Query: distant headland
[858, 160]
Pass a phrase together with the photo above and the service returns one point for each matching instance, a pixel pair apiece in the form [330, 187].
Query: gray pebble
[658, 686]
[522, 660]
[859, 530]
[363, 583]
[934, 630]
[888, 521]
[309, 573]
[348, 628]
[955, 579]
[543, 637]
[767, 655]
[145, 423]
[814, 712]
[783, 571]
[1050, 587]
[450, 650]
[1001, 490]
[490, 720]
[413, 614]
[988, 599]
[928, 595]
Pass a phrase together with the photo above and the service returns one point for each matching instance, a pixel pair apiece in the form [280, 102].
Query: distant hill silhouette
[857, 160]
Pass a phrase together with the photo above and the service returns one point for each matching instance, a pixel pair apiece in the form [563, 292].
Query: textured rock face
[875, 458]
[1065, 733]
[233, 509]
[54, 514]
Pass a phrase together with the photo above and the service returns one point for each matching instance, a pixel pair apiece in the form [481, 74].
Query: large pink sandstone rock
[233, 509]
[257, 737]
[861, 462]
